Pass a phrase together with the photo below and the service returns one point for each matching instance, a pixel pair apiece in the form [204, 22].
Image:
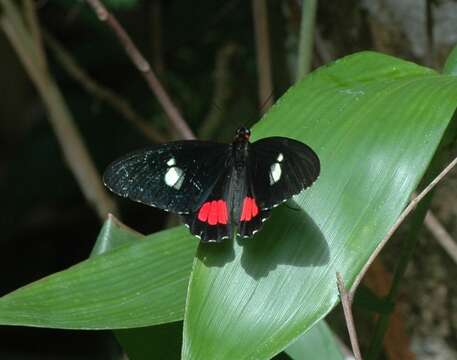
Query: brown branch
[411, 206]
[71, 143]
[441, 235]
[346, 301]
[103, 93]
[143, 66]
[265, 83]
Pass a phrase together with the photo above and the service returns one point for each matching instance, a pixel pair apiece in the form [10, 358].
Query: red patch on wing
[250, 209]
[204, 211]
[213, 212]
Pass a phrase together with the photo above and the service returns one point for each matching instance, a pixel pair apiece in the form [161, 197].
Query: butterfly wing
[176, 176]
[230, 197]
[280, 168]
[211, 222]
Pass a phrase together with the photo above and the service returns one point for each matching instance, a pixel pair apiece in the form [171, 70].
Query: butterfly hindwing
[176, 177]
[212, 222]
[280, 168]
[252, 217]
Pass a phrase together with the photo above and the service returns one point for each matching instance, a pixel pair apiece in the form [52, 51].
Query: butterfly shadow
[216, 254]
[290, 237]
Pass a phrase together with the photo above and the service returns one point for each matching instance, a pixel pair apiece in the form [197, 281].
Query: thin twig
[143, 66]
[30, 14]
[441, 235]
[411, 206]
[117, 102]
[72, 145]
[262, 41]
[305, 45]
[346, 301]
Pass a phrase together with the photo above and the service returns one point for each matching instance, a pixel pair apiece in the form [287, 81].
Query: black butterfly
[217, 188]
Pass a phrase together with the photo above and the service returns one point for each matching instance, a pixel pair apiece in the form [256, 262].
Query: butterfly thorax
[240, 154]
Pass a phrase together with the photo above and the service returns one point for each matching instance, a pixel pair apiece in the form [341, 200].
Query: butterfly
[219, 189]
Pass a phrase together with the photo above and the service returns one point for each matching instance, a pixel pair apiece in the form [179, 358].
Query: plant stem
[305, 44]
[174, 116]
[31, 17]
[346, 301]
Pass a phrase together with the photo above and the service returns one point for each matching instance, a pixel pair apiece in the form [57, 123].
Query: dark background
[46, 224]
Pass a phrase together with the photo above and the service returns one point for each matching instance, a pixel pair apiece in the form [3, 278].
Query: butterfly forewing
[176, 177]
[280, 168]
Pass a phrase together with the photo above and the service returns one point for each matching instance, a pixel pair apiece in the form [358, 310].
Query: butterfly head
[242, 134]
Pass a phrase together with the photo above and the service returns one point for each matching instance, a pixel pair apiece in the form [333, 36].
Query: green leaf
[317, 343]
[112, 235]
[151, 342]
[375, 122]
[142, 282]
[450, 67]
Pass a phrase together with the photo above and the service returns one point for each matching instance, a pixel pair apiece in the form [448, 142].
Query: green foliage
[141, 282]
[375, 122]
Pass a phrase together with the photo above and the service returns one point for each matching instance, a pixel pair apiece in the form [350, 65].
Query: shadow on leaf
[292, 239]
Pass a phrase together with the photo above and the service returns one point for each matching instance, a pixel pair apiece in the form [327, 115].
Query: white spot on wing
[174, 177]
[171, 162]
[280, 157]
[275, 173]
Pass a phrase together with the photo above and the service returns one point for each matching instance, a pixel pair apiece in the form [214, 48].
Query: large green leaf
[151, 342]
[143, 281]
[375, 122]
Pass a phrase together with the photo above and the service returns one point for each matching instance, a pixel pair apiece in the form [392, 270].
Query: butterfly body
[219, 189]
